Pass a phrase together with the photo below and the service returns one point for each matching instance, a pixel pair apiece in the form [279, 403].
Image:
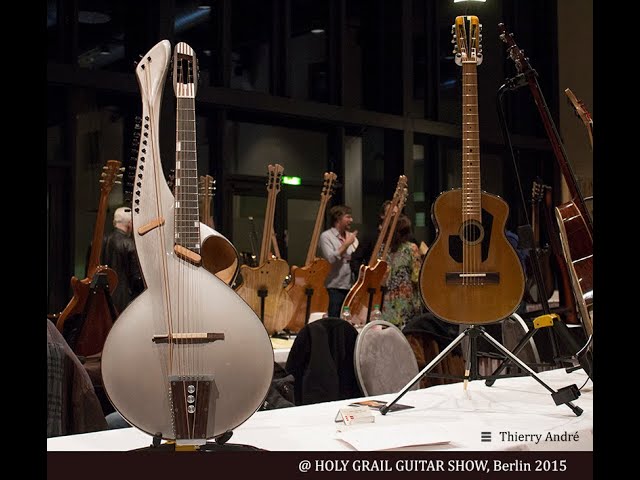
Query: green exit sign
[291, 180]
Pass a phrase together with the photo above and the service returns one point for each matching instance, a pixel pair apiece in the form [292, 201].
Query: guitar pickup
[483, 278]
[188, 338]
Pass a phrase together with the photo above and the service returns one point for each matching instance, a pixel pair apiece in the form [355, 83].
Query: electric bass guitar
[175, 364]
[471, 274]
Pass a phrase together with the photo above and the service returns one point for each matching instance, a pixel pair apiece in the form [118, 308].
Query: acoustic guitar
[367, 291]
[574, 220]
[471, 274]
[263, 286]
[175, 362]
[307, 289]
[91, 303]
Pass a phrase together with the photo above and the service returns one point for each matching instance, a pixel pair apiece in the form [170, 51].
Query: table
[513, 411]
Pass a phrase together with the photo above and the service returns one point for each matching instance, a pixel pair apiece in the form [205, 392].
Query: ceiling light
[317, 30]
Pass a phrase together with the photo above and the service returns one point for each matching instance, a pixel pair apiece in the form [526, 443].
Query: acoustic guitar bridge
[188, 338]
[482, 278]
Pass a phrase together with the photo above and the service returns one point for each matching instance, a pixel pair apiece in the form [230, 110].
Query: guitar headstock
[274, 177]
[185, 71]
[207, 186]
[112, 173]
[538, 190]
[514, 52]
[400, 186]
[328, 186]
[582, 112]
[151, 72]
[171, 179]
[467, 38]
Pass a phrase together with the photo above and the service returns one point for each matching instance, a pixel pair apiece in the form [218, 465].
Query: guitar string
[159, 231]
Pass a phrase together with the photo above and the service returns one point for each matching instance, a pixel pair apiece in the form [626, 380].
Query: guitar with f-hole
[471, 274]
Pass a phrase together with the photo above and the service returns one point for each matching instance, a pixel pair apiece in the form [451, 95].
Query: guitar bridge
[190, 399]
[188, 338]
[479, 278]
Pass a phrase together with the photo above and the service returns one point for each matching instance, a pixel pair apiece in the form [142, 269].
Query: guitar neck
[313, 246]
[471, 190]
[558, 149]
[98, 233]
[187, 214]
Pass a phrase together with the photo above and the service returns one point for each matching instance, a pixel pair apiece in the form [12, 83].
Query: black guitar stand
[527, 243]
[563, 396]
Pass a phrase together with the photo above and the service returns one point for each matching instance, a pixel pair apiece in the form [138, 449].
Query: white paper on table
[376, 436]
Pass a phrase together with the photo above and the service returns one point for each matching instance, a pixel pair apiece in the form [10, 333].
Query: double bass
[90, 304]
[175, 364]
[471, 274]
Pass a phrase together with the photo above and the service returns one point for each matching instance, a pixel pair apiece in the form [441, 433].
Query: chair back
[383, 359]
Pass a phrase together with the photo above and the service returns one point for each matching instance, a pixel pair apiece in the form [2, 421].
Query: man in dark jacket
[119, 253]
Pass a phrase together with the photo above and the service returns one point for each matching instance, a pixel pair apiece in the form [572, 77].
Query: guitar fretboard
[187, 215]
[471, 192]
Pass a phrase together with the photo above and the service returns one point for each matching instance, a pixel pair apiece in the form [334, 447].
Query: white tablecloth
[519, 413]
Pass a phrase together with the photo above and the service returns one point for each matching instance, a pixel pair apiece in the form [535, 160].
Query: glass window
[251, 25]
[308, 50]
[302, 153]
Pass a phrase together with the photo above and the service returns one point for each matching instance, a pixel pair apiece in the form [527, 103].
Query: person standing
[119, 253]
[337, 244]
[402, 299]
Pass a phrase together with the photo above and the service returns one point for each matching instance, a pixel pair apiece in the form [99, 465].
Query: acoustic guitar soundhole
[471, 232]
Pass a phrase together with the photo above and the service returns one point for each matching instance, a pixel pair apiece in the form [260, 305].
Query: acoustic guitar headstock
[513, 51]
[328, 185]
[207, 186]
[112, 173]
[538, 190]
[185, 71]
[467, 38]
[274, 177]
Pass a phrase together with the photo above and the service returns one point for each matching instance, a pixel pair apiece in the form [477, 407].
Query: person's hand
[350, 237]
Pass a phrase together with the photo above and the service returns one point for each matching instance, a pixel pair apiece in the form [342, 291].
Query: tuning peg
[117, 182]
[121, 169]
[119, 175]
[103, 174]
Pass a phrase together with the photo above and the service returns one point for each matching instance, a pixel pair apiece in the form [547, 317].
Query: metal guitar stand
[563, 396]
[526, 242]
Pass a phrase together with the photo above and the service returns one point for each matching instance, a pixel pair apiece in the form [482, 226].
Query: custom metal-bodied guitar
[175, 362]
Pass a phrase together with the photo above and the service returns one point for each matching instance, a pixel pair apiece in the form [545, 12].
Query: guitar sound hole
[471, 232]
